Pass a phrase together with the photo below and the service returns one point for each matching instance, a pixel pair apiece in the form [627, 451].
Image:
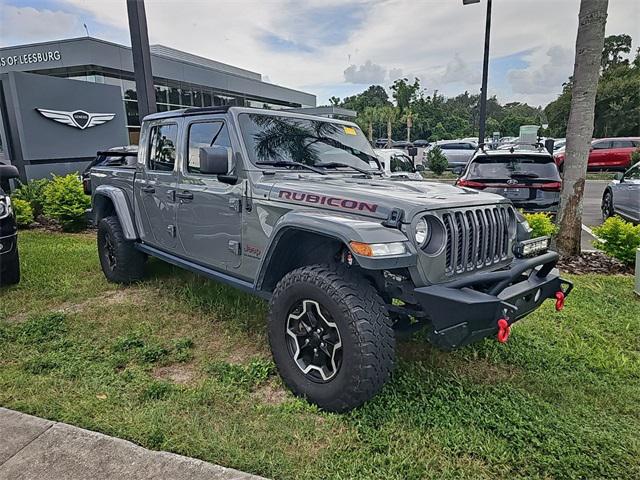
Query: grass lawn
[180, 363]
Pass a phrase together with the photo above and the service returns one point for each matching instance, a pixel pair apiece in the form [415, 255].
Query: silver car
[622, 196]
[458, 153]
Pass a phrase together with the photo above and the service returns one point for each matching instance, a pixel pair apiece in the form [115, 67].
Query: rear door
[599, 157]
[156, 186]
[621, 153]
[209, 211]
[626, 196]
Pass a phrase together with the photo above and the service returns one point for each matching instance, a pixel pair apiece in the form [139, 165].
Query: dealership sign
[29, 58]
[78, 118]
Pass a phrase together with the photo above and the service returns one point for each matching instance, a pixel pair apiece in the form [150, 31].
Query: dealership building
[62, 101]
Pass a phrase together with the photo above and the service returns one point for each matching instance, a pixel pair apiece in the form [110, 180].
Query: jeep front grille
[477, 237]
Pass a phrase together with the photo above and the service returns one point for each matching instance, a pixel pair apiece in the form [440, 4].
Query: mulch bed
[594, 262]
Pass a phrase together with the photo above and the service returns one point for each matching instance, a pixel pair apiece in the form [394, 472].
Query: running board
[201, 270]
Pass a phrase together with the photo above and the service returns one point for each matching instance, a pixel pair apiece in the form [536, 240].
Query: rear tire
[607, 205]
[120, 261]
[331, 337]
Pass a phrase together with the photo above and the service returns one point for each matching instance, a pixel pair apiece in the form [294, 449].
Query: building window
[131, 108]
[186, 98]
[162, 93]
[174, 95]
[129, 89]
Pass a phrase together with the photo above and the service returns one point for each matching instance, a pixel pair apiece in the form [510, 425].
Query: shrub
[635, 156]
[66, 202]
[23, 210]
[618, 238]
[541, 225]
[32, 192]
[436, 161]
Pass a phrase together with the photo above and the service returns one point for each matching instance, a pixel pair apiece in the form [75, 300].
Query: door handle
[186, 195]
[148, 189]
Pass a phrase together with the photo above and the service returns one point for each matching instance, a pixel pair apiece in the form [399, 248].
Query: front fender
[344, 228]
[119, 201]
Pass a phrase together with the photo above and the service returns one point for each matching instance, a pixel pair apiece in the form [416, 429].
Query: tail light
[551, 186]
[86, 184]
[470, 184]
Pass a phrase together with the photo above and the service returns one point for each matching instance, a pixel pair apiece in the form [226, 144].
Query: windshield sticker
[350, 131]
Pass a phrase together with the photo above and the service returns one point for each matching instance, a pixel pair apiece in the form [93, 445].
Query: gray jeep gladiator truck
[295, 208]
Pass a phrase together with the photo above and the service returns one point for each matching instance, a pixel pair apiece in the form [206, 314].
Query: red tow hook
[504, 329]
[559, 300]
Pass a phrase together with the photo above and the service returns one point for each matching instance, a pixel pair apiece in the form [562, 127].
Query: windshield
[272, 138]
[500, 168]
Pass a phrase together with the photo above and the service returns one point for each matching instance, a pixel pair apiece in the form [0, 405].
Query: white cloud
[440, 41]
[27, 24]
[546, 70]
[368, 74]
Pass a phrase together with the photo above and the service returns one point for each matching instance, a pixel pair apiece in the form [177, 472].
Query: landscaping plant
[32, 192]
[23, 211]
[66, 202]
[541, 225]
[618, 238]
[436, 161]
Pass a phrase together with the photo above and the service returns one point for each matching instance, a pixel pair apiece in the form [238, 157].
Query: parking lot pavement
[32, 448]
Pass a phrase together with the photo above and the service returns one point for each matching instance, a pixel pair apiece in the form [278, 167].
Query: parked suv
[607, 153]
[9, 259]
[622, 196]
[458, 152]
[530, 179]
[294, 208]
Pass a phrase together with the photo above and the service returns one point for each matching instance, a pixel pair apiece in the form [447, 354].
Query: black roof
[183, 112]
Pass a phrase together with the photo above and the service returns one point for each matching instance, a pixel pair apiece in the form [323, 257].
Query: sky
[340, 47]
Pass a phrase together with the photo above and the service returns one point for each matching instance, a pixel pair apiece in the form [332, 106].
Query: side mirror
[619, 176]
[420, 167]
[215, 160]
[8, 172]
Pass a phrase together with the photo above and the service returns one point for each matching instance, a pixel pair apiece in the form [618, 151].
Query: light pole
[485, 70]
[145, 91]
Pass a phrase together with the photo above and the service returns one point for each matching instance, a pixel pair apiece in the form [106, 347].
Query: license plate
[516, 193]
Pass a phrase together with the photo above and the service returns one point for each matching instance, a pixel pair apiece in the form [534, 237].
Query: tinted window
[501, 168]
[162, 148]
[633, 173]
[449, 146]
[205, 135]
[271, 138]
[622, 144]
[401, 163]
[601, 145]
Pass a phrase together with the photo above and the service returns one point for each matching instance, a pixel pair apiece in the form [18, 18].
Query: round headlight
[421, 232]
[3, 208]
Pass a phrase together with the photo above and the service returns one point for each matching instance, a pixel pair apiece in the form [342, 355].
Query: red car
[607, 153]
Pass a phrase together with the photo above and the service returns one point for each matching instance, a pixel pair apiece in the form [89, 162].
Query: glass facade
[170, 95]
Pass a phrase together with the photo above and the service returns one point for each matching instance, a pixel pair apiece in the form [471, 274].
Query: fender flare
[344, 228]
[121, 205]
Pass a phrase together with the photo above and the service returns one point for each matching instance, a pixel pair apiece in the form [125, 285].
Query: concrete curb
[33, 448]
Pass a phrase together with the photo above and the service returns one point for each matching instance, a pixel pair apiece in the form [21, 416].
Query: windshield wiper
[340, 164]
[292, 164]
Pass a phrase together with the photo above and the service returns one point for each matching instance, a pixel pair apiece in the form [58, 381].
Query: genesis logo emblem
[78, 118]
[512, 181]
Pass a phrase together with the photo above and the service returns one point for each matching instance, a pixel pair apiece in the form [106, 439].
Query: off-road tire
[10, 268]
[121, 262]
[365, 329]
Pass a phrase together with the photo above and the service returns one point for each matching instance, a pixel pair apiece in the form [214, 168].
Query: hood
[374, 197]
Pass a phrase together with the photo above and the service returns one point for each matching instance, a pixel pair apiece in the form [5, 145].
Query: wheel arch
[108, 200]
[310, 237]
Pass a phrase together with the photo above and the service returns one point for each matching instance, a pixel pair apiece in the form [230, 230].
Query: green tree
[405, 93]
[615, 51]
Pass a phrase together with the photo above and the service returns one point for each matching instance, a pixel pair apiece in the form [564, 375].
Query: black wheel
[330, 336]
[607, 205]
[10, 268]
[120, 261]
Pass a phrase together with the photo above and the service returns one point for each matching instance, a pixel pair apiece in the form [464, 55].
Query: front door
[156, 186]
[600, 155]
[628, 201]
[209, 211]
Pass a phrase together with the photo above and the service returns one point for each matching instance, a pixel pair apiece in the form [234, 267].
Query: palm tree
[366, 120]
[586, 71]
[390, 114]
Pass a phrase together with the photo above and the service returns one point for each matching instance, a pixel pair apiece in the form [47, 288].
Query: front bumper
[466, 310]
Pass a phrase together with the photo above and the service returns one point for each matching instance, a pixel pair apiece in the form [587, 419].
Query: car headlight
[421, 232]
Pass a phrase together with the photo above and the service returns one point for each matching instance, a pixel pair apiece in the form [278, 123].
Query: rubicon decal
[78, 118]
[327, 200]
